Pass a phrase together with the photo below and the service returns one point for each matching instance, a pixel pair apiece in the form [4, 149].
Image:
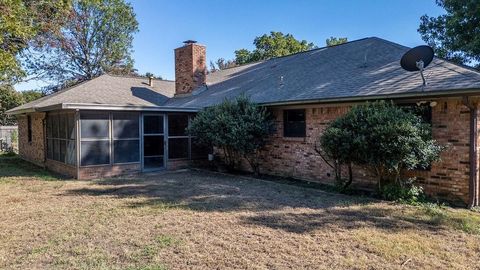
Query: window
[126, 137]
[424, 111]
[294, 123]
[178, 138]
[94, 138]
[61, 144]
[29, 128]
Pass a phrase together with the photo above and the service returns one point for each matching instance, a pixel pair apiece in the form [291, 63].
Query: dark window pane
[54, 126]
[152, 163]
[29, 128]
[178, 148]
[94, 125]
[294, 123]
[126, 151]
[56, 150]
[153, 124]
[95, 153]
[199, 150]
[153, 146]
[423, 111]
[63, 150]
[62, 125]
[49, 126]
[71, 157]
[71, 126]
[50, 149]
[125, 125]
[177, 125]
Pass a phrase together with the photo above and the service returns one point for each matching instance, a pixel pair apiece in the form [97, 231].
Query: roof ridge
[40, 100]
[292, 54]
[136, 77]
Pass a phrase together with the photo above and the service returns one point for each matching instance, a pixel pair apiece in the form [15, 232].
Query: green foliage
[274, 45]
[96, 38]
[406, 192]
[238, 128]
[383, 138]
[9, 98]
[31, 95]
[455, 34]
[220, 64]
[333, 41]
[23, 22]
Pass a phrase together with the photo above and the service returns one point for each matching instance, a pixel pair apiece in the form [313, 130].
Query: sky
[224, 26]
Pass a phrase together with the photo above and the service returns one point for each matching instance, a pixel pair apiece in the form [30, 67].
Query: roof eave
[112, 107]
[432, 94]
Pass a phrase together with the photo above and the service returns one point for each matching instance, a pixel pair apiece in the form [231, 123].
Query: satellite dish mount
[417, 59]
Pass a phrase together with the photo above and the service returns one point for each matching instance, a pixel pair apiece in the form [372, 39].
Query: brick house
[113, 125]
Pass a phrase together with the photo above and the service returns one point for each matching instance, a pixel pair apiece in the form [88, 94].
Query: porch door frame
[165, 141]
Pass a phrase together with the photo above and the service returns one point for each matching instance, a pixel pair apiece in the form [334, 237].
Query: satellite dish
[417, 59]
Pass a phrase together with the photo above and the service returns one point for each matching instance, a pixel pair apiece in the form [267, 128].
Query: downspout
[473, 187]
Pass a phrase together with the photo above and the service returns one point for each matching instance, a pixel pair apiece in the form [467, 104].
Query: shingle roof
[362, 68]
[109, 90]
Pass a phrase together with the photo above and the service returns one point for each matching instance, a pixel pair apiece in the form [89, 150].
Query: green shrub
[406, 192]
[238, 128]
[383, 138]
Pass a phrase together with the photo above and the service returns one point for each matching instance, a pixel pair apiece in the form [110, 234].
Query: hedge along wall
[296, 157]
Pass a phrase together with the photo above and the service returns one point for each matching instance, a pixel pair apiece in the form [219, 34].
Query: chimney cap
[186, 42]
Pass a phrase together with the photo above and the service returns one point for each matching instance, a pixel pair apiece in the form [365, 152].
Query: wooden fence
[8, 138]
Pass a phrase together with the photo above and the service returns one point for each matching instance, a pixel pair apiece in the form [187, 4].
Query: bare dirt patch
[201, 220]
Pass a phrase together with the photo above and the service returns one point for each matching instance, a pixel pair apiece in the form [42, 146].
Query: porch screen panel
[126, 137]
[178, 138]
[61, 132]
[94, 138]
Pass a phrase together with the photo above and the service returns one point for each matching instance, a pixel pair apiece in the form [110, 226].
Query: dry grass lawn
[201, 220]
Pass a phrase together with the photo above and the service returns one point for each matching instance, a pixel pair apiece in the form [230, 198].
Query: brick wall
[448, 179]
[96, 172]
[33, 151]
[190, 68]
[61, 168]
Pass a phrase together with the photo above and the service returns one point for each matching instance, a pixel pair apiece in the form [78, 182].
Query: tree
[382, 138]
[23, 22]
[96, 38]
[275, 44]
[31, 95]
[333, 41]
[454, 35]
[238, 128]
[151, 75]
[9, 99]
[221, 64]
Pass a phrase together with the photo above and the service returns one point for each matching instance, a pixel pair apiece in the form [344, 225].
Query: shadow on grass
[261, 203]
[13, 166]
[205, 191]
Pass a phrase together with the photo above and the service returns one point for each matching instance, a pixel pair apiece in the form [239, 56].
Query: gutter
[105, 107]
[473, 155]
[442, 93]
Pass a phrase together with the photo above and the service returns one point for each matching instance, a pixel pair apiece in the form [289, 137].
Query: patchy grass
[13, 168]
[204, 220]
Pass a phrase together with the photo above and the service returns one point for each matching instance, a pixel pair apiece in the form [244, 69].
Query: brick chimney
[190, 67]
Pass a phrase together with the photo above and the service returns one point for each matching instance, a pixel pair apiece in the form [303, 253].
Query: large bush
[382, 138]
[238, 128]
